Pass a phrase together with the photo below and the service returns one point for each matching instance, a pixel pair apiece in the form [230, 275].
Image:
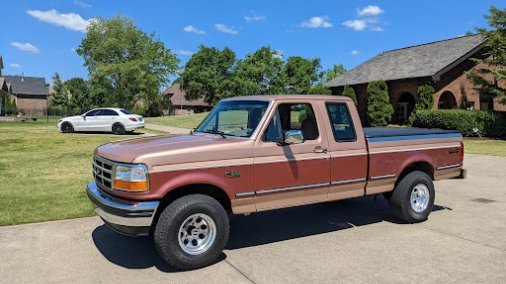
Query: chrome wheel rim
[420, 197]
[197, 234]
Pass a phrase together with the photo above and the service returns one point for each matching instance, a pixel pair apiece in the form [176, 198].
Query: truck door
[288, 175]
[347, 150]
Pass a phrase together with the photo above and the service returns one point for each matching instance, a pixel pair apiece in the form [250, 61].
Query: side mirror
[294, 137]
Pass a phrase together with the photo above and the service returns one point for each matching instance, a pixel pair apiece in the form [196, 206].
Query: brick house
[30, 93]
[441, 64]
[180, 104]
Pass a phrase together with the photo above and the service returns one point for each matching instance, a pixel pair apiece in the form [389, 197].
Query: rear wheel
[192, 232]
[413, 197]
[118, 129]
[67, 127]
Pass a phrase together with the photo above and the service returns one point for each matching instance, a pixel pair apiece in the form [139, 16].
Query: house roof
[27, 85]
[177, 96]
[430, 59]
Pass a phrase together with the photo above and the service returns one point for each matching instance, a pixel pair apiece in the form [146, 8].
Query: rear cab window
[341, 122]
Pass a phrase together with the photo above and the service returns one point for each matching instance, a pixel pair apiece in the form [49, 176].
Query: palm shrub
[379, 108]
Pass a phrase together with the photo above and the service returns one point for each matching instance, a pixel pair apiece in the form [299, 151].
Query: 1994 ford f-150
[259, 153]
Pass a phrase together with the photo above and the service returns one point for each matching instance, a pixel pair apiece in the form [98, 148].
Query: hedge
[469, 122]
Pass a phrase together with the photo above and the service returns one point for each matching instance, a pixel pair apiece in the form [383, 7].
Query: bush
[350, 93]
[469, 122]
[379, 108]
[425, 100]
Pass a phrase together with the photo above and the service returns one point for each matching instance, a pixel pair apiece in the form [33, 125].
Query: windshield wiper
[212, 131]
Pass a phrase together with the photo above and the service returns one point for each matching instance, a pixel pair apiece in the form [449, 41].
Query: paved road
[350, 241]
[170, 129]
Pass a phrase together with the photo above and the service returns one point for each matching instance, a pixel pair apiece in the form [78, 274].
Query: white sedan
[116, 120]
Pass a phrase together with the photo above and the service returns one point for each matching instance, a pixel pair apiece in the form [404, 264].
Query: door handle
[320, 149]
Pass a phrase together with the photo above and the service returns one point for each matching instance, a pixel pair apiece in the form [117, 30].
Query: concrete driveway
[356, 240]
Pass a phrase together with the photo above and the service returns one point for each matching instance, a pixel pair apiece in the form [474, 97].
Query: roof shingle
[410, 62]
[27, 85]
[178, 97]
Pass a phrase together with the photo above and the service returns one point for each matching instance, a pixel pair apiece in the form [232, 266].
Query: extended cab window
[292, 117]
[341, 122]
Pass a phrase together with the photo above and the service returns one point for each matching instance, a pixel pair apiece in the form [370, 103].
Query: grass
[43, 173]
[189, 121]
[484, 146]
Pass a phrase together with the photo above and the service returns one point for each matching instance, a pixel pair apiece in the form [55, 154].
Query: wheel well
[206, 189]
[418, 166]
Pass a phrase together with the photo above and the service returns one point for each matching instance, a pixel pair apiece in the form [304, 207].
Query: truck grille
[102, 172]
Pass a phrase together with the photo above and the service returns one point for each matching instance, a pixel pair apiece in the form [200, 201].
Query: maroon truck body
[338, 160]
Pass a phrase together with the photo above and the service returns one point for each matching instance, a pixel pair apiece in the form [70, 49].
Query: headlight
[132, 178]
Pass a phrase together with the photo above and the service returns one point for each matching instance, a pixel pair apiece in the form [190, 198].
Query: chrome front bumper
[131, 218]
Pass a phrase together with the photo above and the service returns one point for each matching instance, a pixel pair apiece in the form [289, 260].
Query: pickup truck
[259, 153]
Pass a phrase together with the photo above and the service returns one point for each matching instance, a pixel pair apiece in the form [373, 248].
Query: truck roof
[290, 98]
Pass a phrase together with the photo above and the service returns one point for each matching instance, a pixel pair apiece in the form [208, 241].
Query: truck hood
[170, 149]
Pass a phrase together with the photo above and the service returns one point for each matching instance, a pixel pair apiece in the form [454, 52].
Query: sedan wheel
[67, 127]
[118, 129]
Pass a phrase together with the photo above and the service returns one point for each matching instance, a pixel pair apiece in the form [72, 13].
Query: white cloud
[354, 52]
[370, 10]
[358, 25]
[253, 17]
[15, 65]
[25, 46]
[192, 29]
[224, 29]
[278, 53]
[367, 19]
[69, 21]
[81, 4]
[317, 22]
[185, 52]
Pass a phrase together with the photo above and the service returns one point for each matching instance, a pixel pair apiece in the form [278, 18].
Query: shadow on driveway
[257, 229]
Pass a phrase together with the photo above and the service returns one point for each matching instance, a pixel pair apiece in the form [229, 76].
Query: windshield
[234, 118]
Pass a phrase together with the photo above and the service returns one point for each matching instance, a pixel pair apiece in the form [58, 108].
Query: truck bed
[379, 134]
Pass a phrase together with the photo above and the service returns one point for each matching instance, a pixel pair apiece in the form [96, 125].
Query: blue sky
[38, 38]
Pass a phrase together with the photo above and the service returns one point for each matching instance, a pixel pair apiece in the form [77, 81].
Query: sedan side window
[93, 112]
[109, 112]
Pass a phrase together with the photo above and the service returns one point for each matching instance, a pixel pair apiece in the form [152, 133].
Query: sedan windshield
[234, 118]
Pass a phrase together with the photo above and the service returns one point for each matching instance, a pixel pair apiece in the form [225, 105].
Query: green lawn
[43, 173]
[483, 146]
[183, 121]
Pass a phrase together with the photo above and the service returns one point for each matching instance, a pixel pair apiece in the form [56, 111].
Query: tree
[336, 71]
[79, 93]
[259, 73]
[7, 105]
[350, 93]
[325, 77]
[207, 72]
[300, 74]
[425, 100]
[379, 109]
[490, 80]
[61, 95]
[124, 61]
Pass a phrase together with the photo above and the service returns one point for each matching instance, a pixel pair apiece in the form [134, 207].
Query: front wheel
[192, 232]
[67, 127]
[413, 197]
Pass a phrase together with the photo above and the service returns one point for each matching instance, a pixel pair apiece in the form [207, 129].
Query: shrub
[350, 93]
[425, 100]
[469, 122]
[379, 108]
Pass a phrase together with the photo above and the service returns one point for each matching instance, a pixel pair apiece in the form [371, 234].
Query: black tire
[118, 129]
[167, 234]
[415, 182]
[67, 127]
